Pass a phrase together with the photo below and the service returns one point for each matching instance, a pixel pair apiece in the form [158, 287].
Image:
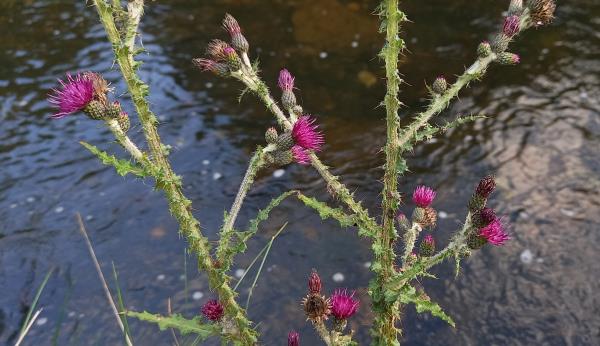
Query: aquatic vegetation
[298, 139]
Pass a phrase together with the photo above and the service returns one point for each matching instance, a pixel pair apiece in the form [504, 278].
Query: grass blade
[26, 323]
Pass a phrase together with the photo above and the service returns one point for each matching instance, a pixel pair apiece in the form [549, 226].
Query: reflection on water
[541, 139]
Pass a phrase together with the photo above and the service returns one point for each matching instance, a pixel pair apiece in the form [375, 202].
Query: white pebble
[13, 206]
[239, 273]
[279, 173]
[22, 103]
[338, 277]
[71, 314]
[367, 264]
[208, 85]
[354, 44]
[526, 256]
[206, 162]
[162, 118]
[56, 32]
[204, 172]
[160, 277]
[197, 295]
[41, 321]
[181, 277]
[567, 212]
[89, 217]
[442, 214]
[30, 199]
[217, 176]
[323, 55]
[59, 209]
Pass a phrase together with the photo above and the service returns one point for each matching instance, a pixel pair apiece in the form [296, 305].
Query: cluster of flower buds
[296, 144]
[341, 305]
[87, 92]
[222, 57]
[424, 214]
[486, 226]
[213, 310]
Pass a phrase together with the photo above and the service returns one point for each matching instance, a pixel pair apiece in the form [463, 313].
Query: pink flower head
[286, 80]
[314, 283]
[516, 59]
[76, 93]
[300, 155]
[305, 133]
[511, 26]
[429, 240]
[494, 233]
[212, 310]
[343, 305]
[293, 338]
[423, 196]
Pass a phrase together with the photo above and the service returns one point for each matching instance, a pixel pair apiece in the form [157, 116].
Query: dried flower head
[77, 92]
[286, 80]
[494, 233]
[314, 283]
[316, 307]
[423, 196]
[486, 186]
[541, 11]
[212, 310]
[293, 338]
[511, 26]
[101, 86]
[216, 50]
[343, 305]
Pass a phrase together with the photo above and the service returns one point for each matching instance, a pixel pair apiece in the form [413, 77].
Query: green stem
[385, 318]
[126, 142]
[410, 236]
[179, 205]
[256, 163]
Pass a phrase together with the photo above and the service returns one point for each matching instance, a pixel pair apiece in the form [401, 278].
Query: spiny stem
[410, 236]
[386, 332]
[179, 205]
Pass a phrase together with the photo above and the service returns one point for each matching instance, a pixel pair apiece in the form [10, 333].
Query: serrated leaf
[176, 321]
[423, 303]
[326, 211]
[123, 167]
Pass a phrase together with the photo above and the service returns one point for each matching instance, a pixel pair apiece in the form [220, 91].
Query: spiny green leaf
[423, 303]
[176, 321]
[326, 211]
[122, 166]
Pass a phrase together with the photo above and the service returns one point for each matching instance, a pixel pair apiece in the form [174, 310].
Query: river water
[541, 139]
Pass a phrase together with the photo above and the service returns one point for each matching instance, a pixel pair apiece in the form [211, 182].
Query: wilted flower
[343, 305]
[293, 338]
[212, 310]
[77, 92]
[494, 233]
[316, 307]
[423, 196]
[511, 26]
[541, 11]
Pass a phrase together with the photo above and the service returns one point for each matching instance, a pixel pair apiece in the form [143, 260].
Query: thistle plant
[404, 248]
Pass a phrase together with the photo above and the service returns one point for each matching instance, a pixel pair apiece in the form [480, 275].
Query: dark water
[541, 139]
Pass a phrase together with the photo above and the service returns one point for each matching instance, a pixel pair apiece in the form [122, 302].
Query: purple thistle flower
[511, 26]
[212, 310]
[300, 155]
[423, 196]
[217, 68]
[293, 338]
[343, 305]
[77, 92]
[305, 133]
[286, 80]
[494, 233]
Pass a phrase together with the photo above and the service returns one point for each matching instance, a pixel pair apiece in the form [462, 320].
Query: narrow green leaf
[123, 167]
[176, 321]
[423, 303]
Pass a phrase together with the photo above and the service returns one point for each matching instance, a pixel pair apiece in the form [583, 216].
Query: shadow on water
[541, 140]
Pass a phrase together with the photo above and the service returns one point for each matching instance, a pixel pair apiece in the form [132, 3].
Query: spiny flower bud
[233, 59]
[216, 50]
[427, 246]
[439, 85]
[511, 26]
[124, 122]
[541, 11]
[508, 58]
[220, 69]
[238, 41]
[423, 196]
[486, 186]
[114, 110]
[515, 7]
[95, 110]
[343, 305]
[500, 43]
[286, 83]
[282, 157]
[212, 310]
[484, 49]
[314, 283]
[475, 241]
[271, 135]
[293, 338]
[402, 221]
[285, 141]
[425, 217]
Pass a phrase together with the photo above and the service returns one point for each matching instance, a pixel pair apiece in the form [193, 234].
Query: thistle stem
[125, 141]
[410, 236]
